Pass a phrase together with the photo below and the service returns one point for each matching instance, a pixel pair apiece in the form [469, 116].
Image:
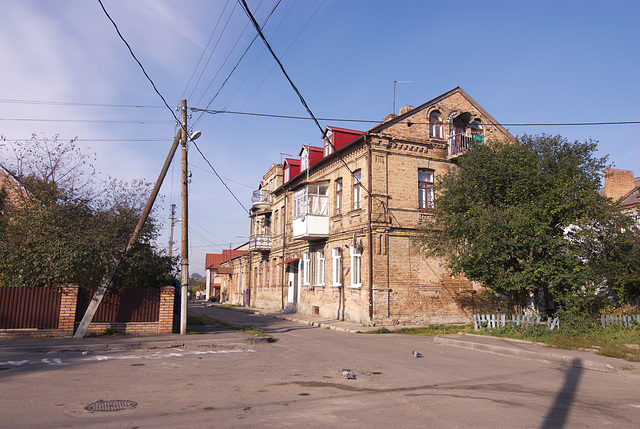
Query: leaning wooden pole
[107, 280]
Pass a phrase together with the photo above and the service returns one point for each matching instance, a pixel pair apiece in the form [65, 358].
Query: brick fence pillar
[67, 317]
[167, 295]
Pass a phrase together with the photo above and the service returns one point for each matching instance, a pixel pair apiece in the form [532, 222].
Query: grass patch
[615, 341]
[428, 331]
[248, 329]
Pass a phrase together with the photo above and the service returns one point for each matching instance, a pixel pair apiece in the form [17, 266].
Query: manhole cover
[111, 405]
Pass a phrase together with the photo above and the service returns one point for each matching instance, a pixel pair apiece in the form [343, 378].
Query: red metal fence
[29, 307]
[122, 305]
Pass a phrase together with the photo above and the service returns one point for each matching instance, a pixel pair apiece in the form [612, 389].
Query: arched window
[435, 125]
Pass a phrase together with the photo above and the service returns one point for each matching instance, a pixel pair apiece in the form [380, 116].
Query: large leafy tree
[69, 226]
[524, 218]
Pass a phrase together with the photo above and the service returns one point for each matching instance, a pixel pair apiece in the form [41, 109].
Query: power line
[139, 63]
[216, 173]
[239, 60]
[69, 103]
[204, 51]
[98, 121]
[306, 118]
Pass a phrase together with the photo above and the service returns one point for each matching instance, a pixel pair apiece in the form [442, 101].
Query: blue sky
[560, 61]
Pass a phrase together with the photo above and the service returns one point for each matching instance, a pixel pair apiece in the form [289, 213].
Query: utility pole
[173, 221]
[184, 228]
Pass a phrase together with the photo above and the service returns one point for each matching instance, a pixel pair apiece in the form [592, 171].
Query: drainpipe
[284, 247]
[369, 232]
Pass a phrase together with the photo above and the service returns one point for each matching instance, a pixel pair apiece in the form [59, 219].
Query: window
[339, 196]
[320, 269]
[306, 269]
[275, 223]
[356, 267]
[425, 189]
[357, 186]
[336, 256]
[435, 125]
[328, 143]
[286, 175]
[304, 159]
[312, 199]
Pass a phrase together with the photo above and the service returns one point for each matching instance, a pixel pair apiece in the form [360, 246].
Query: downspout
[369, 232]
[284, 246]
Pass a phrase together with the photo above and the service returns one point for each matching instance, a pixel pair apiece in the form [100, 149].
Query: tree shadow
[559, 412]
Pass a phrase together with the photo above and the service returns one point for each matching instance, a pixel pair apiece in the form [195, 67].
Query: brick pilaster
[165, 321]
[67, 317]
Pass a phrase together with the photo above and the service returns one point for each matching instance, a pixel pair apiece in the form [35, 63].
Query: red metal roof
[213, 260]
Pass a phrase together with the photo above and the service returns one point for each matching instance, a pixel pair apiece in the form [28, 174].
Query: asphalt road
[298, 382]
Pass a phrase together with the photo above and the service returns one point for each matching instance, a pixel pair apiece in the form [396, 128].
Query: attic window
[435, 125]
[328, 143]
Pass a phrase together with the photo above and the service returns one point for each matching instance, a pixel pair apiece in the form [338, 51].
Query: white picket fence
[620, 320]
[493, 321]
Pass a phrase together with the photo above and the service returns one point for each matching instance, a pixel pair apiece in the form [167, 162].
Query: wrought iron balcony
[260, 242]
[459, 143]
[261, 199]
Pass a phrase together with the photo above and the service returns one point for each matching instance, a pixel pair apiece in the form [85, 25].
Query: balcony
[260, 242]
[459, 143]
[311, 212]
[311, 227]
[261, 200]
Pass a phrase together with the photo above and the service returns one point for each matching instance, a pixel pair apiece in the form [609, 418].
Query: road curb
[135, 345]
[527, 354]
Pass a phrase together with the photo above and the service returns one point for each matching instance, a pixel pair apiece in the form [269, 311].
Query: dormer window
[304, 159]
[328, 143]
[435, 126]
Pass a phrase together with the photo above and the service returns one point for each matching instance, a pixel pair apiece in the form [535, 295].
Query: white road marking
[101, 358]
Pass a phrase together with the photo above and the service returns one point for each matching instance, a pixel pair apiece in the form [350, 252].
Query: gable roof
[213, 260]
[456, 90]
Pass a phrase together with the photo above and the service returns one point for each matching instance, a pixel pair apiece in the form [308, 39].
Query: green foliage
[502, 217]
[69, 228]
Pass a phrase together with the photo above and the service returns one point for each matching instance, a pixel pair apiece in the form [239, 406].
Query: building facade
[332, 232]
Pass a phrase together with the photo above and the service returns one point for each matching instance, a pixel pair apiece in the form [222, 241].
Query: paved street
[297, 381]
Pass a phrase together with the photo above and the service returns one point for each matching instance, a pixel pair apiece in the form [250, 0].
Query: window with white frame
[320, 267]
[357, 190]
[338, 187]
[328, 143]
[306, 269]
[435, 125]
[336, 256]
[356, 267]
[425, 189]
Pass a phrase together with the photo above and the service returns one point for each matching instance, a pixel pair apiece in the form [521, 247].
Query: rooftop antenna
[394, 92]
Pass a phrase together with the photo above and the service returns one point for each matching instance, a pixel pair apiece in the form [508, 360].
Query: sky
[66, 72]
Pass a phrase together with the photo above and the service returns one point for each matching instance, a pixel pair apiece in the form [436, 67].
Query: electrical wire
[216, 173]
[67, 103]
[203, 52]
[139, 63]
[306, 118]
[97, 121]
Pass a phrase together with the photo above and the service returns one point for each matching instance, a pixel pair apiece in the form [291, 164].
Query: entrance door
[292, 279]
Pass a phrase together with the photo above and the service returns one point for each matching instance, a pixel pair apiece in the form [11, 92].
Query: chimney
[389, 117]
[405, 109]
[618, 183]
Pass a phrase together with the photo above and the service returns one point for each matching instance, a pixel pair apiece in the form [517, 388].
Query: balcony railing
[260, 242]
[261, 199]
[459, 143]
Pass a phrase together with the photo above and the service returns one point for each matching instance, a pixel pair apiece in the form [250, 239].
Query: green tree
[504, 217]
[69, 226]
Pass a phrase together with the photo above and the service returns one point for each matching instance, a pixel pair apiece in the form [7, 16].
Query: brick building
[331, 232]
[213, 271]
